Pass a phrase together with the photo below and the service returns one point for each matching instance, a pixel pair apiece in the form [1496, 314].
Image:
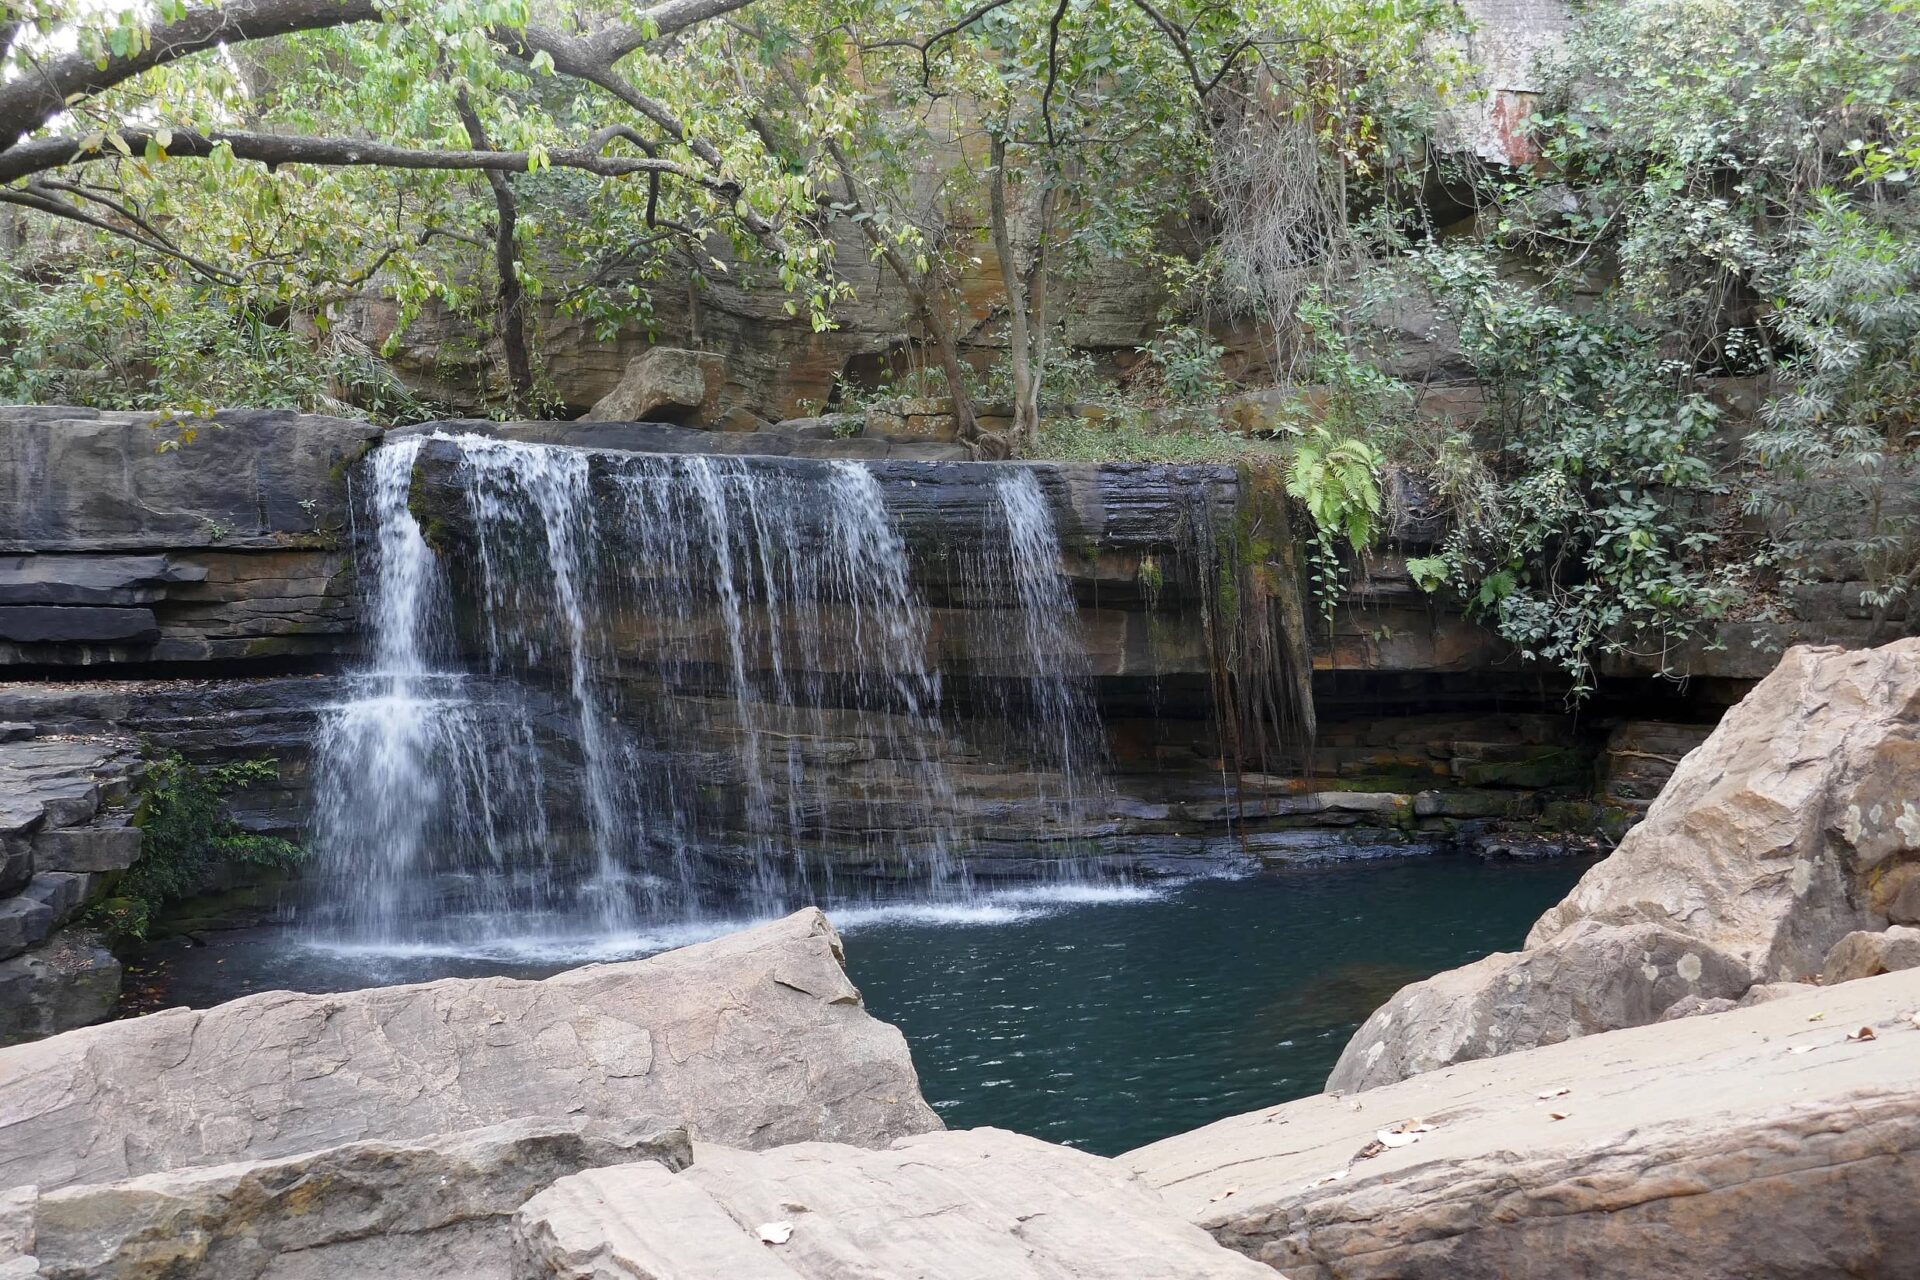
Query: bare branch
[925, 47]
[1053, 70]
[663, 19]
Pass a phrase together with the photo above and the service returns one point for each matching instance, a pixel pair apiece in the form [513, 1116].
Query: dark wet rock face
[226, 548]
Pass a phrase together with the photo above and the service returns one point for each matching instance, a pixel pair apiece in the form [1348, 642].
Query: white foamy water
[991, 909]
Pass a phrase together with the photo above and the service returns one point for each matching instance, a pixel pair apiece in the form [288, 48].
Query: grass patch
[1135, 438]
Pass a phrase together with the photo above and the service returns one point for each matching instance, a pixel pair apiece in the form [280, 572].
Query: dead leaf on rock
[1556, 1115]
[1555, 1093]
[1331, 1177]
[1223, 1195]
[776, 1232]
[1802, 1048]
[1864, 1033]
[1817, 1017]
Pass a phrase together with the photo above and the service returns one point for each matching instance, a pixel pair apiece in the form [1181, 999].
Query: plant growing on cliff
[187, 835]
[1598, 533]
[1335, 478]
[1836, 447]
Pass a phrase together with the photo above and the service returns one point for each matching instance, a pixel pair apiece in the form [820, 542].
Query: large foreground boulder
[1589, 979]
[982, 1204]
[753, 1040]
[434, 1208]
[1778, 1142]
[1796, 823]
[1779, 834]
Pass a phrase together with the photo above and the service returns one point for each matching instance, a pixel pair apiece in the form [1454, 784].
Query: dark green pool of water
[1110, 1026]
[1102, 1020]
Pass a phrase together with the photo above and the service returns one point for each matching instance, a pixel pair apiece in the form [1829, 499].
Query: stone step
[99, 847]
[36, 911]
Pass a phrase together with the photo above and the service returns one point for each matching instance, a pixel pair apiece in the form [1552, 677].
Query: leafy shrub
[1836, 447]
[1335, 479]
[1188, 360]
[1593, 531]
[187, 834]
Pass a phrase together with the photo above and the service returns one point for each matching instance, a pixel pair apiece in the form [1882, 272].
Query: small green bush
[188, 833]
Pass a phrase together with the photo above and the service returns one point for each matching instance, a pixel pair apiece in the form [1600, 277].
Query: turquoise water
[1109, 1025]
[1101, 1018]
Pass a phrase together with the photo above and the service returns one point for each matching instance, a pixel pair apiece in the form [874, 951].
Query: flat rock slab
[432, 1209]
[61, 782]
[980, 1204]
[1766, 1142]
[754, 1039]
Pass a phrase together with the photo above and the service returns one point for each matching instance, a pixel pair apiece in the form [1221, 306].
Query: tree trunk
[1026, 293]
[511, 320]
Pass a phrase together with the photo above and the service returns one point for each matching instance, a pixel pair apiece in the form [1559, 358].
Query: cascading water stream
[409, 794]
[1065, 722]
[650, 690]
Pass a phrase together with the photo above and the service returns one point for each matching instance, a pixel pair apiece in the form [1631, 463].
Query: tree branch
[585, 60]
[273, 149]
[664, 19]
[925, 47]
[512, 321]
[1053, 51]
[38, 95]
[28, 102]
[32, 198]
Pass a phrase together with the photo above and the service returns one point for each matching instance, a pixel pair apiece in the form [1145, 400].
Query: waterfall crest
[660, 689]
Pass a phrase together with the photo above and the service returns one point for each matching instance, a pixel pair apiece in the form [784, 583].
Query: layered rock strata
[65, 834]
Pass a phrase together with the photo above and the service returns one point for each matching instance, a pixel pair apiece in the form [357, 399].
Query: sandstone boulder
[1770, 838]
[669, 384]
[432, 1209]
[1757, 1144]
[1867, 955]
[1592, 978]
[981, 1204]
[754, 1039]
[1794, 824]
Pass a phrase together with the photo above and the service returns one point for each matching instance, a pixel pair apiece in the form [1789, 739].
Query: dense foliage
[1721, 195]
[216, 204]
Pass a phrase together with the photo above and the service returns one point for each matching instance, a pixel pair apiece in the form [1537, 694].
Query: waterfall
[617, 691]
[1064, 721]
[415, 791]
